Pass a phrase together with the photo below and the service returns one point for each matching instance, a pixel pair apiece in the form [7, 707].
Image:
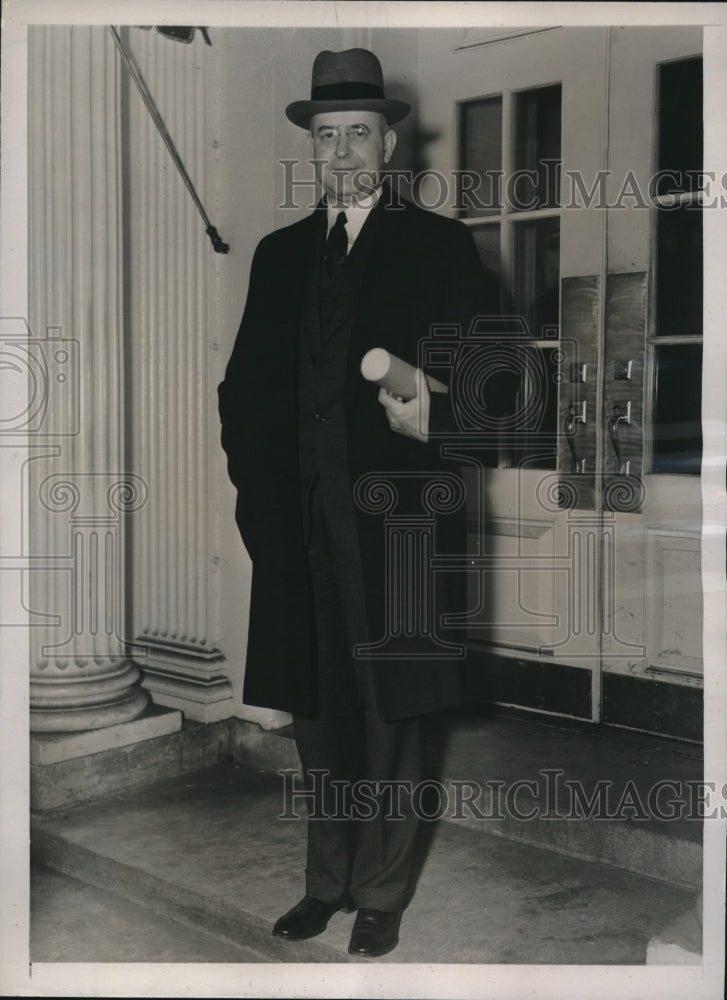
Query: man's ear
[389, 144]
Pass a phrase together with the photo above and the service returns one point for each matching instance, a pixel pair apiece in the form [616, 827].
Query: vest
[327, 324]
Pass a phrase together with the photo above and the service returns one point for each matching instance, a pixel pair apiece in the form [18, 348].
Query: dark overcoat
[422, 269]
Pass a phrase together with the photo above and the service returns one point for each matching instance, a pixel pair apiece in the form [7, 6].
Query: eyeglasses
[354, 133]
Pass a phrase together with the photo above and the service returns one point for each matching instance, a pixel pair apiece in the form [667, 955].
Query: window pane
[487, 240]
[534, 442]
[536, 281]
[680, 124]
[480, 130]
[537, 148]
[536, 275]
[679, 271]
[677, 410]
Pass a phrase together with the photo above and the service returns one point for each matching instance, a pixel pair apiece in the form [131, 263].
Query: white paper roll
[394, 375]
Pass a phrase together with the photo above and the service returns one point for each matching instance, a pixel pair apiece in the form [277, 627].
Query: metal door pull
[620, 415]
[576, 415]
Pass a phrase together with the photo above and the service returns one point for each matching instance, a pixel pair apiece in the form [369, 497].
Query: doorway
[579, 154]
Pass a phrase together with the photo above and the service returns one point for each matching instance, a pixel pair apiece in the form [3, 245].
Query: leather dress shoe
[375, 933]
[310, 917]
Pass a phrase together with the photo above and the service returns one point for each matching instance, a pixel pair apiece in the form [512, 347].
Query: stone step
[72, 921]
[106, 845]
[207, 849]
[533, 783]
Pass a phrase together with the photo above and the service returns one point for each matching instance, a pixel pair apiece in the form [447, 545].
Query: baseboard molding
[540, 685]
[673, 710]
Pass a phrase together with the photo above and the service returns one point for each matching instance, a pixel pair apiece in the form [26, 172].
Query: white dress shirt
[356, 215]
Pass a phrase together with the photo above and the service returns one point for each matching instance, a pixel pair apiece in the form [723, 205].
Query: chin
[344, 189]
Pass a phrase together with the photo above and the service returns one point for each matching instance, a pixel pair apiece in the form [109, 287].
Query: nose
[343, 144]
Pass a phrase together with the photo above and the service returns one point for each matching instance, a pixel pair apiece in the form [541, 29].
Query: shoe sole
[373, 954]
[346, 908]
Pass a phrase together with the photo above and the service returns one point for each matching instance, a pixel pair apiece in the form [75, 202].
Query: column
[172, 277]
[81, 675]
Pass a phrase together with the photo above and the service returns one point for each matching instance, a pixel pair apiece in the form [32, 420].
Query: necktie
[337, 245]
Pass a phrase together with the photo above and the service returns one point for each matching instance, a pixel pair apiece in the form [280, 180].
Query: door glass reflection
[677, 429]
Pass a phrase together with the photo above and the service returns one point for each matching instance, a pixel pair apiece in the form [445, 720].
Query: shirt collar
[356, 214]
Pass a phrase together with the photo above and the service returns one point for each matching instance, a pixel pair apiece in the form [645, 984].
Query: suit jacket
[421, 269]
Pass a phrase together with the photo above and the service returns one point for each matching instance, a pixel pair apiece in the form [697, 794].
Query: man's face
[351, 148]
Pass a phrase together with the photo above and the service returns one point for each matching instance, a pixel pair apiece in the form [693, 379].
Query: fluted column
[82, 676]
[172, 281]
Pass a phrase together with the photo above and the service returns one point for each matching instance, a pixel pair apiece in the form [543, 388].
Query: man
[301, 427]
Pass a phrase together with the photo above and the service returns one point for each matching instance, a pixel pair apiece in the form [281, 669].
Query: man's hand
[410, 418]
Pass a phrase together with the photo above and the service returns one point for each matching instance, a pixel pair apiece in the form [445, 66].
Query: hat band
[346, 91]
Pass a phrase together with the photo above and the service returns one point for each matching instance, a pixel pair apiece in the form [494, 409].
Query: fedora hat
[346, 81]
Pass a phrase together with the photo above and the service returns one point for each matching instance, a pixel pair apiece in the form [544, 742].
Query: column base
[67, 769]
[55, 748]
[202, 696]
[91, 717]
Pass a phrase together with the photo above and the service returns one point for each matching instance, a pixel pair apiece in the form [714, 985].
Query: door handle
[576, 415]
[619, 415]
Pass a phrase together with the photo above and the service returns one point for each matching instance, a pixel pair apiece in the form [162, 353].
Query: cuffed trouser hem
[327, 892]
[386, 902]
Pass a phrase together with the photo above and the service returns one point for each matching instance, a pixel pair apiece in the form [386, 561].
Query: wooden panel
[579, 333]
[512, 594]
[674, 605]
[623, 389]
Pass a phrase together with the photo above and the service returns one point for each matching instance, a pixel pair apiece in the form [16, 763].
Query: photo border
[18, 977]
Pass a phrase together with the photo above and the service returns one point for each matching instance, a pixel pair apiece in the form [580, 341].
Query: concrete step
[72, 921]
[209, 850]
[528, 781]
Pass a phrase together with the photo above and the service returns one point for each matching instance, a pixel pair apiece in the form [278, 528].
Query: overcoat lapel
[311, 262]
[386, 249]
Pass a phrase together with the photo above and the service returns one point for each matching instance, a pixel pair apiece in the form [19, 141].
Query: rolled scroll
[395, 375]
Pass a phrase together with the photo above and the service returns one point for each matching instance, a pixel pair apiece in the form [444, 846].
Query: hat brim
[301, 112]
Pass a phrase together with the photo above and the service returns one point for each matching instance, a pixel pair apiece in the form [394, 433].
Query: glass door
[534, 625]
[578, 153]
[652, 634]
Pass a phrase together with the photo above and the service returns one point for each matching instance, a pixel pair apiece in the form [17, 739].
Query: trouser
[361, 824]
